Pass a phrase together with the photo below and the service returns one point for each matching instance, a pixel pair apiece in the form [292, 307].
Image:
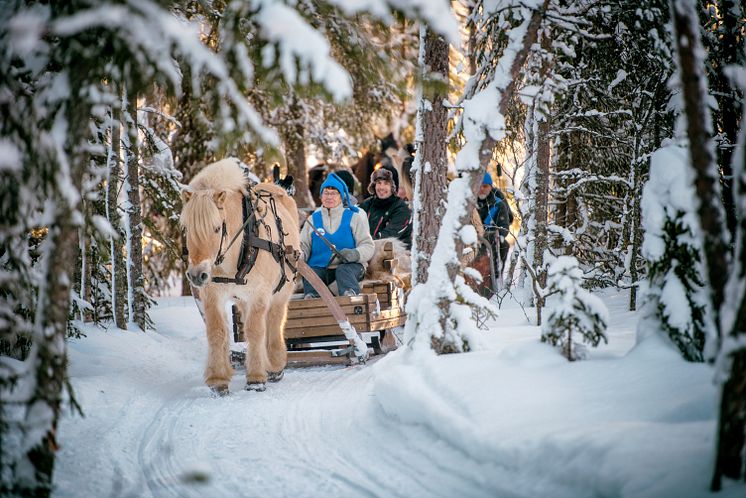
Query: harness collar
[251, 244]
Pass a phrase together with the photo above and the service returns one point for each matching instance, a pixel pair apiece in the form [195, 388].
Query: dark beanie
[385, 172]
[347, 177]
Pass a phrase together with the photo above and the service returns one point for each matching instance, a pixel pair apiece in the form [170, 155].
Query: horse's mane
[200, 215]
[222, 175]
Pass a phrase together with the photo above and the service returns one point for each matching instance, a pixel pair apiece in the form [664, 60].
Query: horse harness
[252, 243]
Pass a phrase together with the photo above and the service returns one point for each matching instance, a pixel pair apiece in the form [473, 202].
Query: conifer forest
[614, 129]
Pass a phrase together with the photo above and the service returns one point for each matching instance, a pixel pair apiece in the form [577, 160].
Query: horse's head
[203, 219]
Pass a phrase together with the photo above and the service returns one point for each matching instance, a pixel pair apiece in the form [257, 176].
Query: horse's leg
[255, 333]
[218, 372]
[277, 353]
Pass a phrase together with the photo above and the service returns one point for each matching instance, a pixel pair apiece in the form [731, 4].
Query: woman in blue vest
[344, 226]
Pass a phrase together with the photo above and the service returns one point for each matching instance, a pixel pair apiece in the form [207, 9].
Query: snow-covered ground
[514, 420]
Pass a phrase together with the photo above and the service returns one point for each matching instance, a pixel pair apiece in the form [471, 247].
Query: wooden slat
[326, 330]
[352, 309]
[388, 323]
[322, 330]
[313, 331]
[315, 358]
[378, 289]
[389, 314]
[300, 323]
[342, 301]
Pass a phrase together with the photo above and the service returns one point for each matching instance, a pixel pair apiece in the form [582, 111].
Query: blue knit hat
[487, 180]
[335, 182]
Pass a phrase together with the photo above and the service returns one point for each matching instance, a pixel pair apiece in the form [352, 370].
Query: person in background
[345, 227]
[388, 215]
[496, 215]
[349, 179]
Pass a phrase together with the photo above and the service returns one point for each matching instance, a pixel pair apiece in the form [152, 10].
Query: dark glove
[350, 255]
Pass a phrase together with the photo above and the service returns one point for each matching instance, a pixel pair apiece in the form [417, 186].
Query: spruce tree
[576, 315]
[671, 247]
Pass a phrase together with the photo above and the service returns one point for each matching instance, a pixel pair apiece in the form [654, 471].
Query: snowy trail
[318, 432]
[515, 420]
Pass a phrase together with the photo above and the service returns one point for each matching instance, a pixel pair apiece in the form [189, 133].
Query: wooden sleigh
[313, 335]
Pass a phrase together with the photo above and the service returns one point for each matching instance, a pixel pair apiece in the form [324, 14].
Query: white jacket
[332, 218]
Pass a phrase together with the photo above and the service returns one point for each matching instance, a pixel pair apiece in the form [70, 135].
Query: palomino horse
[213, 213]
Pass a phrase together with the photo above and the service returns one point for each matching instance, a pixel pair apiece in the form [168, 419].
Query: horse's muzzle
[198, 277]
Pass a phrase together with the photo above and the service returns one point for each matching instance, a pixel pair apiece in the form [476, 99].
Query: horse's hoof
[219, 391]
[275, 376]
[256, 386]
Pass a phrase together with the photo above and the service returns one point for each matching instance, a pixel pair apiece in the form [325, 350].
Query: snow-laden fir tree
[575, 314]
[672, 249]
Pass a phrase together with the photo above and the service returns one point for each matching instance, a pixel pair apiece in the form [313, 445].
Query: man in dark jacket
[496, 215]
[388, 215]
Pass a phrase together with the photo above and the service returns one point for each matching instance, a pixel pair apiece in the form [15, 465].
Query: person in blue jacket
[496, 215]
[339, 223]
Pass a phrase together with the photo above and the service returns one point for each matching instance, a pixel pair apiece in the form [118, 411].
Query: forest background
[617, 129]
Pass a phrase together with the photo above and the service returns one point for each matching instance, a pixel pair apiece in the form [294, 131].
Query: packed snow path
[515, 420]
[318, 432]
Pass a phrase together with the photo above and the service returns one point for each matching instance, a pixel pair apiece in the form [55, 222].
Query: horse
[391, 156]
[213, 211]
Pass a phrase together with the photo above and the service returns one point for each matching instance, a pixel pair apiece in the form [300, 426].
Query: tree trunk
[118, 267]
[729, 98]
[50, 357]
[541, 191]
[443, 286]
[699, 132]
[732, 419]
[432, 161]
[471, 43]
[190, 144]
[542, 205]
[636, 234]
[731, 448]
[295, 153]
[137, 301]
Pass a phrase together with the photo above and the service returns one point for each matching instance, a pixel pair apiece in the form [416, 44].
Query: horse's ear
[185, 196]
[219, 198]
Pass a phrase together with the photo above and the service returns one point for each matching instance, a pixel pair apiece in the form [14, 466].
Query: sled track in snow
[318, 432]
[156, 453]
[364, 455]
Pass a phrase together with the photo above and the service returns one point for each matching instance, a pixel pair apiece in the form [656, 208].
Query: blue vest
[321, 255]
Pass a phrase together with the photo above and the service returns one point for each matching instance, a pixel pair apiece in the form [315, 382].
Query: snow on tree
[723, 256]
[672, 248]
[453, 327]
[576, 313]
[56, 61]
